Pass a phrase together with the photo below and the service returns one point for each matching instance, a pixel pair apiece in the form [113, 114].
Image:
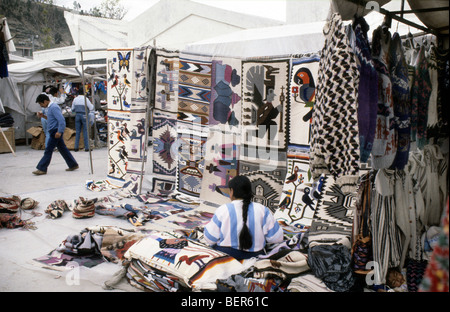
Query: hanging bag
[362, 246]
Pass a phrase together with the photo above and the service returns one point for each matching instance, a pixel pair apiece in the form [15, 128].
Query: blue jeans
[62, 148]
[80, 123]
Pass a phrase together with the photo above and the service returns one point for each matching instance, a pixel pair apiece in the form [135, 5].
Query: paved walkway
[18, 272]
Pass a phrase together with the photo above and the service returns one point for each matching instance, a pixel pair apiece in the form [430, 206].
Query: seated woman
[242, 228]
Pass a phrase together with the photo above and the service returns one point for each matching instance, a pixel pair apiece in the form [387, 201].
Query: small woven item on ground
[84, 209]
[9, 204]
[28, 203]
[56, 209]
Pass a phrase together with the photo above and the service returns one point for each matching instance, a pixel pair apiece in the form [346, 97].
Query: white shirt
[78, 104]
[58, 100]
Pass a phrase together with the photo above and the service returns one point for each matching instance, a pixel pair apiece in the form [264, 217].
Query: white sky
[275, 9]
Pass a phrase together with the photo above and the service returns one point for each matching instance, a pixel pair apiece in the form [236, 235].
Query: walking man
[56, 125]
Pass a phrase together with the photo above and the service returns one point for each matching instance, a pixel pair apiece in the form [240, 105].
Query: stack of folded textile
[182, 260]
[6, 120]
[271, 274]
[144, 277]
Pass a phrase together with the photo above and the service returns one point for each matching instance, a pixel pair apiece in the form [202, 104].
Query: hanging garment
[438, 66]
[335, 142]
[415, 209]
[435, 175]
[420, 95]
[405, 224]
[387, 246]
[432, 120]
[400, 96]
[368, 86]
[443, 64]
[4, 59]
[415, 270]
[362, 237]
[384, 145]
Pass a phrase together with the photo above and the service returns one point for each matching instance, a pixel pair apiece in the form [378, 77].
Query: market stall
[344, 144]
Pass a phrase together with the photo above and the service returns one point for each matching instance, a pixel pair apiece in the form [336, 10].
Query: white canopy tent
[16, 59]
[291, 39]
[273, 41]
[267, 41]
[24, 84]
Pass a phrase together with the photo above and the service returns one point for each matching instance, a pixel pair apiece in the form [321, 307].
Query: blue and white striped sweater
[227, 223]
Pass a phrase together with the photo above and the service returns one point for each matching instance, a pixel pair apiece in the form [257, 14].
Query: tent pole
[86, 111]
[147, 118]
[25, 106]
[95, 121]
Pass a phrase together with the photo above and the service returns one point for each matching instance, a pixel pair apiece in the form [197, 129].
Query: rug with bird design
[118, 95]
[127, 112]
[302, 96]
[264, 106]
[300, 192]
[196, 264]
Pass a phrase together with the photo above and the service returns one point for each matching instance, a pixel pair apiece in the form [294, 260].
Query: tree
[95, 11]
[76, 6]
[110, 9]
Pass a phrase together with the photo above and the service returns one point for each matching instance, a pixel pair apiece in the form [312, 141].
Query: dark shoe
[39, 172]
[73, 168]
[86, 150]
[75, 149]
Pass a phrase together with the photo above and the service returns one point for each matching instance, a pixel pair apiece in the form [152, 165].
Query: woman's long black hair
[242, 189]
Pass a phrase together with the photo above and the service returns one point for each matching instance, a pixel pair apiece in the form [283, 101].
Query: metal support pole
[147, 118]
[86, 111]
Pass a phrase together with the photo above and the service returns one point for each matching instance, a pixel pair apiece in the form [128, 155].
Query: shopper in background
[52, 93]
[81, 123]
[56, 126]
[57, 96]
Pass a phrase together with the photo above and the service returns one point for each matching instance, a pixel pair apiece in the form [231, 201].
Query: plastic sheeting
[25, 83]
[18, 92]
